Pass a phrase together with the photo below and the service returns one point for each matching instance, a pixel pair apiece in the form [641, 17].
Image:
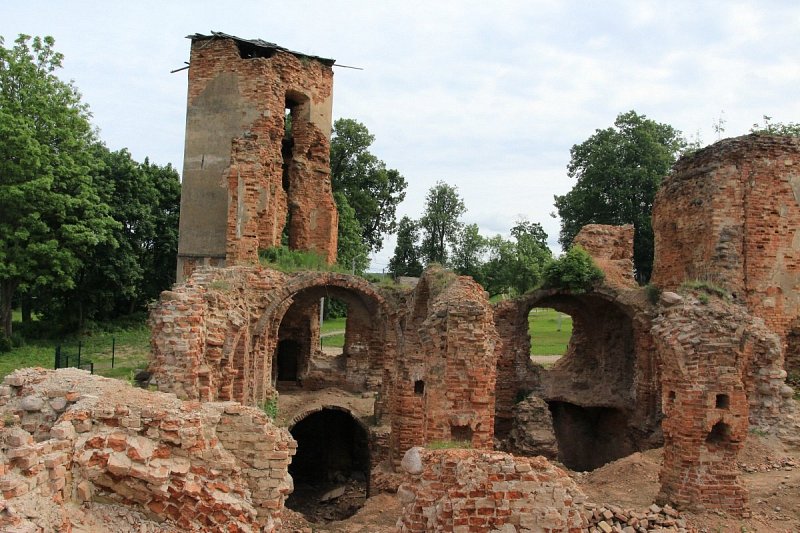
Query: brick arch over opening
[292, 311]
[610, 366]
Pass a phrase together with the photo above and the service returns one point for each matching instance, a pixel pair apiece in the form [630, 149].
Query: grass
[550, 331]
[448, 444]
[329, 326]
[132, 351]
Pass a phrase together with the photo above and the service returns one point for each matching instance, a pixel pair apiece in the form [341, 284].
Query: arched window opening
[461, 433]
[331, 467]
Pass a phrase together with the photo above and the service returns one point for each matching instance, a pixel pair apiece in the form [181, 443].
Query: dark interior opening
[720, 435]
[723, 401]
[252, 51]
[589, 437]
[331, 467]
[461, 433]
[419, 387]
[287, 155]
[288, 353]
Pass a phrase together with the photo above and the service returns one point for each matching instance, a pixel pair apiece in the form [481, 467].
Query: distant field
[550, 331]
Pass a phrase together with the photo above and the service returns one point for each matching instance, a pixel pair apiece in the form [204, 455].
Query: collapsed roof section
[251, 48]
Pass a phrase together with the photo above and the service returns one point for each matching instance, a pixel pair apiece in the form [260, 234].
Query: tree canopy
[406, 260]
[51, 217]
[618, 170]
[84, 232]
[372, 190]
[440, 222]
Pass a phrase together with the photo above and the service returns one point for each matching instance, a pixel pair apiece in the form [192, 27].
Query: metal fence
[87, 356]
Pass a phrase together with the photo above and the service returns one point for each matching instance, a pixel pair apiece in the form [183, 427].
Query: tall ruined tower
[256, 168]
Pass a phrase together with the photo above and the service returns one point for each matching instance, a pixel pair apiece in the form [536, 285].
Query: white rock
[412, 461]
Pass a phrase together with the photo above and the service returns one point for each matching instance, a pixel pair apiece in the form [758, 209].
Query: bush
[653, 293]
[574, 271]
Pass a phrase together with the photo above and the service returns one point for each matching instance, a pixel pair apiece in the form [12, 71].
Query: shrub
[575, 271]
[653, 293]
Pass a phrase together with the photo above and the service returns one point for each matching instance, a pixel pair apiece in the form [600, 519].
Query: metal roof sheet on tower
[259, 44]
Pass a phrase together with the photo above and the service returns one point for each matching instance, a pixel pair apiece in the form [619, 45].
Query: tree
[352, 252]
[406, 260]
[440, 222]
[516, 266]
[51, 217]
[468, 252]
[618, 171]
[120, 278]
[372, 190]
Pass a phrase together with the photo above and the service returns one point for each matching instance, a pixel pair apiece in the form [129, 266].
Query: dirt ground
[769, 471]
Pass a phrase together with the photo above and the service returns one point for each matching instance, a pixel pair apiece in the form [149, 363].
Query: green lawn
[330, 325]
[550, 331]
[132, 351]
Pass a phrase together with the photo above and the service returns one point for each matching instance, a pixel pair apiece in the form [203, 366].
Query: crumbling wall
[472, 490]
[708, 351]
[729, 214]
[443, 384]
[203, 340]
[249, 173]
[611, 247]
[217, 336]
[611, 363]
[71, 436]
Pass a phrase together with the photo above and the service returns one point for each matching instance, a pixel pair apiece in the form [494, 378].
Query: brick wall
[245, 175]
[75, 437]
[730, 214]
[443, 384]
[470, 490]
[708, 353]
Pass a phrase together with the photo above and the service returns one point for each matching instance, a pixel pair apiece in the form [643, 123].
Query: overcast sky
[487, 96]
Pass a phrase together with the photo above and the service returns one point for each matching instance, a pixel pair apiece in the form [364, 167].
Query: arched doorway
[331, 466]
[602, 395]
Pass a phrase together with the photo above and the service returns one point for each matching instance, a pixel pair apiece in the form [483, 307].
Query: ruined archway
[332, 465]
[602, 394]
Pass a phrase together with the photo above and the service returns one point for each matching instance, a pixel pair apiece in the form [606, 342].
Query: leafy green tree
[516, 266]
[468, 252]
[498, 270]
[121, 277]
[352, 251]
[618, 171]
[440, 223]
[406, 258]
[372, 190]
[51, 216]
[776, 128]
